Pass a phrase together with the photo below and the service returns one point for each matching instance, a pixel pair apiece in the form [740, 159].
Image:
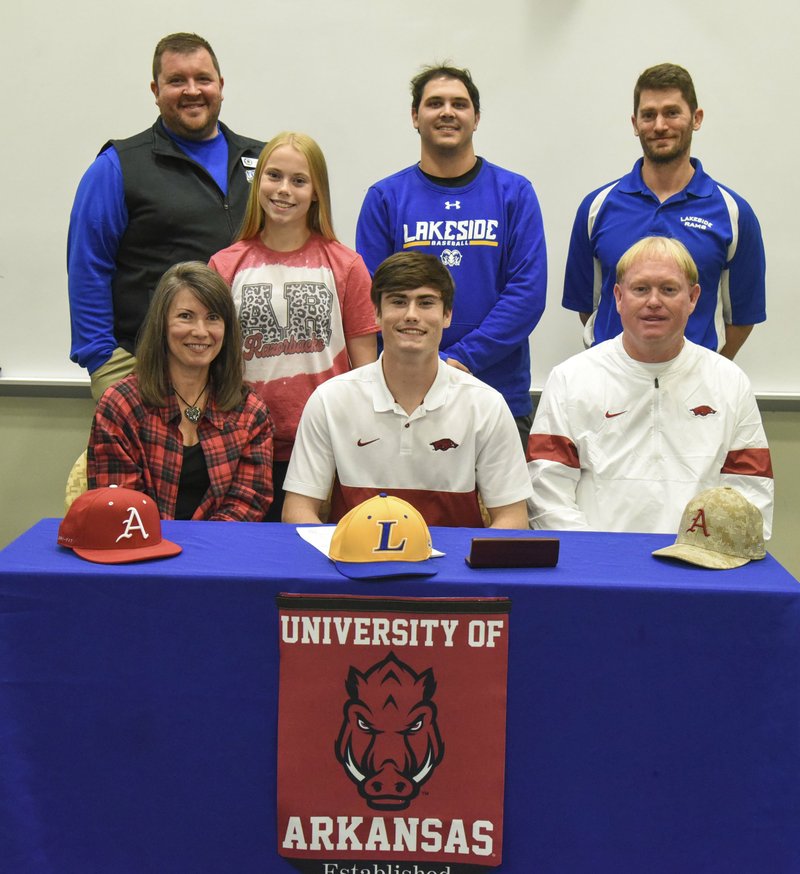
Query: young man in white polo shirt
[409, 424]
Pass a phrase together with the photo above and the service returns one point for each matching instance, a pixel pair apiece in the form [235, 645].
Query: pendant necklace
[192, 411]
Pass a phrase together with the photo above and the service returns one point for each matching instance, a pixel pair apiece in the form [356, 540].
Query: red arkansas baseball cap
[114, 525]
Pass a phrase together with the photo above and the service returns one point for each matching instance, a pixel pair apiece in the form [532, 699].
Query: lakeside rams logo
[450, 257]
[389, 743]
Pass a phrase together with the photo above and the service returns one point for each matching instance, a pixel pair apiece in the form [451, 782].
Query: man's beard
[680, 150]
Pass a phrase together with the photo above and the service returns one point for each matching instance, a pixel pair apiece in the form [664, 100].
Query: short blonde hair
[319, 213]
[659, 247]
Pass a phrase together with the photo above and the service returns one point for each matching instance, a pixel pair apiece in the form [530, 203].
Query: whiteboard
[556, 82]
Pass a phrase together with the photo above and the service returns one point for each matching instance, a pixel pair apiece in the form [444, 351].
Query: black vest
[176, 212]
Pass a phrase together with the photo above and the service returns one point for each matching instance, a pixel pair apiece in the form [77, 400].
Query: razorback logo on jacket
[703, 410]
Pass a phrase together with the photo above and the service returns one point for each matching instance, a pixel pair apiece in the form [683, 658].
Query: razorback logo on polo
[443, 444]
[377, 763]
[703, 410]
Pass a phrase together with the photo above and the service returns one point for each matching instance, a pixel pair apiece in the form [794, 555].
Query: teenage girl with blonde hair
[302, 297]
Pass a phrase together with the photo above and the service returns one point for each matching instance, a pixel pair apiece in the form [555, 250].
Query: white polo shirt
[460, 440]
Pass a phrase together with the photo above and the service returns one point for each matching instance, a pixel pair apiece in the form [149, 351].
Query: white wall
[555, 79]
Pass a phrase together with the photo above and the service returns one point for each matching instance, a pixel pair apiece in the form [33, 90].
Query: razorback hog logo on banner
[389, 743]
[391, 733]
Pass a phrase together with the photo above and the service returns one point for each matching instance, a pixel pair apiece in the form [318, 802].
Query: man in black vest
[175, 192]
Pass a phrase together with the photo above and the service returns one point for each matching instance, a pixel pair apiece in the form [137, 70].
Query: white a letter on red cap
[133, 523]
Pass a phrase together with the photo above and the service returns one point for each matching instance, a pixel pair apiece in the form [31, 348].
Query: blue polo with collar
[715, 224]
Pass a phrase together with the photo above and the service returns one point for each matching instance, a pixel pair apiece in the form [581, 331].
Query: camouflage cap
[720, 529]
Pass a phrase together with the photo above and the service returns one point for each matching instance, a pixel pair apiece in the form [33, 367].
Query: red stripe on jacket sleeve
[748, 462]
[553, 447]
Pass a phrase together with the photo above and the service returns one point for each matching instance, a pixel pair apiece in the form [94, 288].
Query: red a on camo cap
[114, 525]
[720, 529]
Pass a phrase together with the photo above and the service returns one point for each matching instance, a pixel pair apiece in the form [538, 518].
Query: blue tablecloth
[653, 707]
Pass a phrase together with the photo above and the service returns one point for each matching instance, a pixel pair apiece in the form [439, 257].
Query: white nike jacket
[618, 445]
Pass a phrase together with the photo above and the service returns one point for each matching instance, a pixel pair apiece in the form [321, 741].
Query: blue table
[653, 707]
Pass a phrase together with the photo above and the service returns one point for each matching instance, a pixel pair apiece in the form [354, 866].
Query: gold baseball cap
[382, 537]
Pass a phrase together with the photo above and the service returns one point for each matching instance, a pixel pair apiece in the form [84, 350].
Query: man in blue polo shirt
[669, 194]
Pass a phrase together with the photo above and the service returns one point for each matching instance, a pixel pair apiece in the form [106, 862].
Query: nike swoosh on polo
[366, 442]
[614, 415]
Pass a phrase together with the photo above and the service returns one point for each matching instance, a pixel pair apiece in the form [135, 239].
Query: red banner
[391, 730]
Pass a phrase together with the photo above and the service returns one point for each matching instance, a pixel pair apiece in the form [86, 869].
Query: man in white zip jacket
[629, 431]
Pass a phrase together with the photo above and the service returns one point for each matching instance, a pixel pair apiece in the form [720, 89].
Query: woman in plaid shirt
[184, 428]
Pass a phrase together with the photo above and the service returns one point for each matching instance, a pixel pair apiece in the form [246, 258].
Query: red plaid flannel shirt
[138, 446]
